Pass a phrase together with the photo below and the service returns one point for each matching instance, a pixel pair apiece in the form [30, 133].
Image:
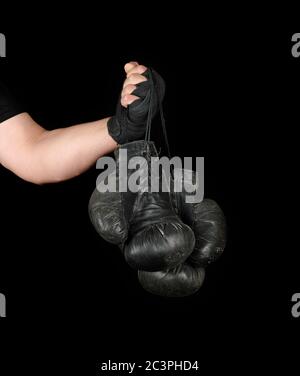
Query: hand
[134, 77]
[129, 123]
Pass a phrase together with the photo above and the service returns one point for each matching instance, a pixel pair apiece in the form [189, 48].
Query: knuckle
[136, 76]
[131, 87]
[142, 68]
[128, 89]
[127, 66]
[126, 83]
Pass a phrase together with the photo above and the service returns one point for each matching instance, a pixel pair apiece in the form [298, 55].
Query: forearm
[42, 156]
[64, 153]
[53, 156]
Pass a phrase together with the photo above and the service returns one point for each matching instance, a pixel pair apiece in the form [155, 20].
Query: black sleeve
[9, 106]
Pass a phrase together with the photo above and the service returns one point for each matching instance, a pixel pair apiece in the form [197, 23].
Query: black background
[232, 97]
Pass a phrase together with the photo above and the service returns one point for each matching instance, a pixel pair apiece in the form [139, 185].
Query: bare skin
[41, 156]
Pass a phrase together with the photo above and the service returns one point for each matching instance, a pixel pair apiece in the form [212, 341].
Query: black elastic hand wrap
[129, 124]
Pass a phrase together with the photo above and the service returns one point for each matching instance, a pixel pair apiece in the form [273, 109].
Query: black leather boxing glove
[208, 223]
[129, 124]
[106, 213]
[209, 226]
[184, 280]
[207, 220]
[143, 223]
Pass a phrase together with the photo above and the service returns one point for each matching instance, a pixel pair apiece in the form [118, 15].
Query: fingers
[130, 65]
[128, 89]
[134, 73]
[128, 99]
[134, 79]
[134, 67]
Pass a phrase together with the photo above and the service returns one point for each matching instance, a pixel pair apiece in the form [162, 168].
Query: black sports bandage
[129, 124]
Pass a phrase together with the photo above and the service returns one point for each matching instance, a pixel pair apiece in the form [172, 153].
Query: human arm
[42, 156]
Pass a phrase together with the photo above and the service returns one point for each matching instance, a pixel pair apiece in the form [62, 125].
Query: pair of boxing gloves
[169, 241]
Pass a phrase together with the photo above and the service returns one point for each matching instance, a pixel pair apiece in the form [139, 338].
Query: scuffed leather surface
[164, 244]
[106, 214]
[159, 243]
[143, 224]
[207, 221]
[184, 280]
[158, 239]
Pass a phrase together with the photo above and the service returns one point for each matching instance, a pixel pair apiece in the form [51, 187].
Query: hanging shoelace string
[153, 90]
